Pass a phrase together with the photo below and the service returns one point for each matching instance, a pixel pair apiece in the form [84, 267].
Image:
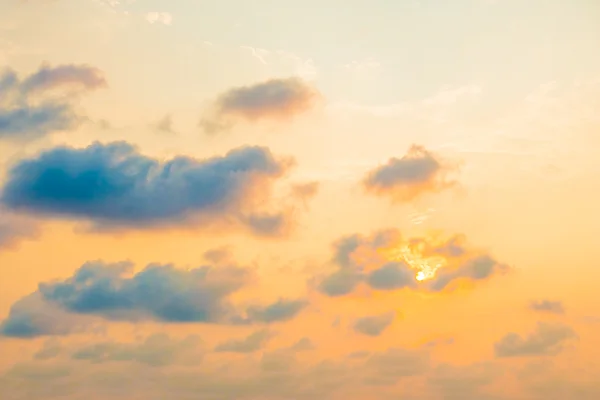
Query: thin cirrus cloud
[28, 109]
[387, 261]
[155, 17]
[114, 186]
[404, 179]
[157, 293]
[275, 99]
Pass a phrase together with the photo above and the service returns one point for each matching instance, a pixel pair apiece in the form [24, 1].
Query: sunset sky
[284, 200]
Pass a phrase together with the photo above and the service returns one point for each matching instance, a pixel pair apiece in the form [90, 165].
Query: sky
[276, 200]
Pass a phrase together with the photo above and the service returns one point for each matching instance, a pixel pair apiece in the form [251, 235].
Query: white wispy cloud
[164, 18]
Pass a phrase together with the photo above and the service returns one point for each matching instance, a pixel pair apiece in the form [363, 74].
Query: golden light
[426, 267]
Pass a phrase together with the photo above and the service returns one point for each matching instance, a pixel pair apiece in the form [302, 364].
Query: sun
[426, 267]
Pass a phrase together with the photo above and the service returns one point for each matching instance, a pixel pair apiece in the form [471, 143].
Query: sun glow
[426, 267]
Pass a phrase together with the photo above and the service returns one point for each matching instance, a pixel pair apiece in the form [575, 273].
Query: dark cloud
[340, 283]
[281, 310]
[546, 339]
[268, 224]
[249, 344]
[406, 178]
[25, 110]
[373, 325]
[549, 306]
[113, 185]
[156, 350]
[273, 99]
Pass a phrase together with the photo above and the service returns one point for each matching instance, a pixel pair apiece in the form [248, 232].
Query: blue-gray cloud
[156, 293]
[24, 116]
[272, 99]
[159, 292]
[113, 185]
[410, 176]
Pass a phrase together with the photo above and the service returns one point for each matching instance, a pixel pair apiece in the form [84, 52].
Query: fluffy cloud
[546, 339]
[404, 179]
[113, 185]
[158, 292]
[386, 261]
[28, 109]
[277, 99]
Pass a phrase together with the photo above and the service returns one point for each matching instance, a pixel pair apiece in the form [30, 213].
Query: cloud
[157, 350]
[14, 229]
[373, 325]
[406, 178]
[547, 339]
[275, 99]
[32, 317]
[165, 125]
[164, 18]
[249, 344]
[26, 111]
[281, 310]
[157, 293]
[113, 185]
[386, 261]
[549, 306]
[78, 76]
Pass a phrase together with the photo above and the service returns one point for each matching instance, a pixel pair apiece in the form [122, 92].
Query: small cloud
[280, 311]
[257, 53]
[553, 307]
[304, 344]
[373, 325]
[547, 339]
[249, 344]
[164, 18]
[276, 99]
[14, 228]
[404, 179]
[165, 125]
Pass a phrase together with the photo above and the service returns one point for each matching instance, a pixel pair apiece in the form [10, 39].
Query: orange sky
[316, 200]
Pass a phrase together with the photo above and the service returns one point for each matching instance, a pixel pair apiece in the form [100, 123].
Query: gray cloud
[273, 99]
[406, 178]
[547, 339]
[392, 276]
[478, 268]
[281, 310]
[23, 116]
[549, 306]
[373, 325]
[14, 229]
[249, 344]
[156, 350]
